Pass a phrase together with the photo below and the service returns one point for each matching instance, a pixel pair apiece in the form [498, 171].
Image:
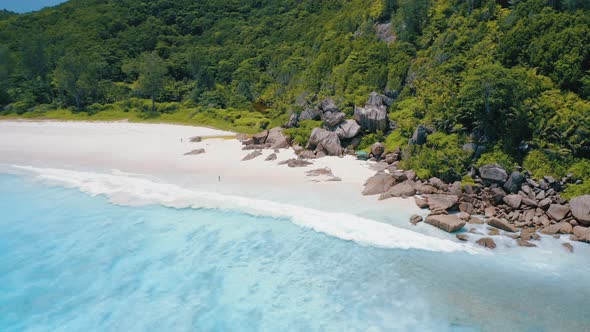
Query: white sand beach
[158, 150]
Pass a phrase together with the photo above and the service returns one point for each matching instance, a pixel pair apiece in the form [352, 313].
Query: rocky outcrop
[373, 116]
[378, 184]
[580, 207]
[493, 173]
[513, 200]
[441, 201]
[277, 139]
[515, 180]
[271, 157]
[347, 129]
[448, 223]
[404, 189]
[310, 114]
[582, 233]
[420, 134]
[328, 105]
[557, 211]
[333, 119]
[377, 150]
[324, 140]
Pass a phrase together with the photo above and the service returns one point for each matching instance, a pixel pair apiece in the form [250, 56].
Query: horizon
[27, 6]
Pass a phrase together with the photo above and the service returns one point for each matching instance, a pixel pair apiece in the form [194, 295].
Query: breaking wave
[132, 190]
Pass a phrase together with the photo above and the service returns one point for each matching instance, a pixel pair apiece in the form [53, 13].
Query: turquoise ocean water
[70, 261]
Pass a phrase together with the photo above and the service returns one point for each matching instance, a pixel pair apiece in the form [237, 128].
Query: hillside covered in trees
[512, 77]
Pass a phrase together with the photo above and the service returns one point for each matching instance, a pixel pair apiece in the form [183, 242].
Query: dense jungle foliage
[512, 75]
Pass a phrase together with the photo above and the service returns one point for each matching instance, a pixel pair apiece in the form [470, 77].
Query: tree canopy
[514, 75]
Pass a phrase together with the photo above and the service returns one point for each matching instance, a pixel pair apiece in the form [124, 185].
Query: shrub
[541, 163]
[496, 157]
[441, 156]
[581, 170]
[300, 135]
[370, 139]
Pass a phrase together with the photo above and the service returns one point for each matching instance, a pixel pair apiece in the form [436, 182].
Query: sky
[23, 6]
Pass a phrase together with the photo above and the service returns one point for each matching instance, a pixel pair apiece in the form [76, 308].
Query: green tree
[492, 100]
[77, 76]
[152, 73]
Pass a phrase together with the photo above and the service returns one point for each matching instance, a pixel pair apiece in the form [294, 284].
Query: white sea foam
[123, 189]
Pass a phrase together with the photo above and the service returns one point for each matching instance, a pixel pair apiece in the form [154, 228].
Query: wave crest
[131, 190]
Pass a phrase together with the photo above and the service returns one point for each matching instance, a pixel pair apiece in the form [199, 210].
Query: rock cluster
[513, 203]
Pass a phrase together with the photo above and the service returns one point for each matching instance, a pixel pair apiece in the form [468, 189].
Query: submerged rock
[415, 219]
[486, 242]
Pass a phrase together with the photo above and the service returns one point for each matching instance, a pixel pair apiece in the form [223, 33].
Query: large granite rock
[277, 139]
[582, 233]
[260, 138]
[310, 114]
[419, 136]
[404, 189]
[502, 224]
[378, 184]
[581, 209]
[513, 201]
[441, 201]
[321, 139]
[561, 228]
[377, 149]
[332, 119]
[515, 180]
[293, 120]
[375, 99]
[372, 118]
[328, 105]
[557, 211]
[348, 129]
[494, 173]
[448, 223]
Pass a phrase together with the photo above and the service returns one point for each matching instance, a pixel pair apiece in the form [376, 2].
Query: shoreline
[155, 151]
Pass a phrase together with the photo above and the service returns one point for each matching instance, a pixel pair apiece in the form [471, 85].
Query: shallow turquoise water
[72, 262]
